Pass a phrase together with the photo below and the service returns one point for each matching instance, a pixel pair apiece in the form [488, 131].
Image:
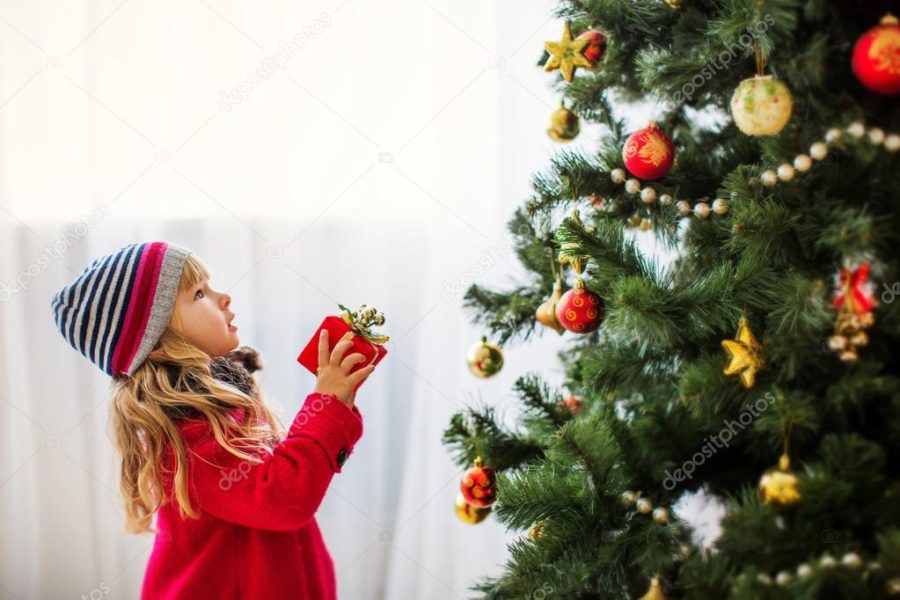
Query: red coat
[257, 536]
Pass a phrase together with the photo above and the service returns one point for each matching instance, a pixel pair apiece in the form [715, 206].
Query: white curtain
[311, 153]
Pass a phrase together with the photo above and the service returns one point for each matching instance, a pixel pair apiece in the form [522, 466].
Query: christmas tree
[759, 366]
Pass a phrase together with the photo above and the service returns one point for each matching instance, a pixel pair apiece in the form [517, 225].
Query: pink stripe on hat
[139, 306]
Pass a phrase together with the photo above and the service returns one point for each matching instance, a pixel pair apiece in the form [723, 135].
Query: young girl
[234, 495]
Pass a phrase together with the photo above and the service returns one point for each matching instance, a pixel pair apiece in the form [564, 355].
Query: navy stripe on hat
[115, 311]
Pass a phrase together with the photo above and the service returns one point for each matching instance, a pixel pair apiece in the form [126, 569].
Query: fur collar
[235, 368]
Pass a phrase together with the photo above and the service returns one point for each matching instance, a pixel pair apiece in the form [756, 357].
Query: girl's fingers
[340, 348]
[323, 347]
[360, 375]
[351, 360]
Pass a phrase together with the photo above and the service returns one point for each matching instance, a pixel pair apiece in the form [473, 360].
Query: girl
[234, 495]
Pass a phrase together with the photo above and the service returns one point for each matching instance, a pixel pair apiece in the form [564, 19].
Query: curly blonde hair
[174, 383]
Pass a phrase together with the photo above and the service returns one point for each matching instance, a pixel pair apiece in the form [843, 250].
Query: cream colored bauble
[761, 105]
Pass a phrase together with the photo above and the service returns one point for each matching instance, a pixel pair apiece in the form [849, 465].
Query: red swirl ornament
[648, 153]
[876, 57]
[580, 310]
[596, 45]
[479, 485]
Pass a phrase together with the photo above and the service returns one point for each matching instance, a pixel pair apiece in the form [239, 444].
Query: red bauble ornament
[596, 45]
[572, 404]
[580, 310]
[648, 153]
[876, 57]
[479, 485]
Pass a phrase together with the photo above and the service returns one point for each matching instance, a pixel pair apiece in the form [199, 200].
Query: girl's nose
[226, 300]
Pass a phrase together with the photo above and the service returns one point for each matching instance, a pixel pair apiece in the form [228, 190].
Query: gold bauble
[655, 591]
[468, 513]
[535, 531]
[673, 3]
[564, 125]
[485, 359]
[778, 485]
[546, 312]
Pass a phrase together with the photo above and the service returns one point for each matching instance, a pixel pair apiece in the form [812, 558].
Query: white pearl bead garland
[632, 186]
[818, 151]
[783, 578]
[892, 142]
[785, 172]
[769, 178]
[802, 163]
[856, 129]
[850, 560]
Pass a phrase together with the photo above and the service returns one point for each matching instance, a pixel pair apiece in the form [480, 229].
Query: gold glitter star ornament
[745, 354]
[567, 54]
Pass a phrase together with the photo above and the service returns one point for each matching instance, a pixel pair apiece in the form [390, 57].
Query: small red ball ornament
[572, 405]
[596, 45]
[580, 310]
[479, 485]
[876, 57]
[648, 153]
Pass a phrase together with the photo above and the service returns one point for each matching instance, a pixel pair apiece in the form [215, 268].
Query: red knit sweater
[257, 536]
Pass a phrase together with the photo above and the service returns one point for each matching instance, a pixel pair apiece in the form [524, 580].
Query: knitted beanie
[116, 310]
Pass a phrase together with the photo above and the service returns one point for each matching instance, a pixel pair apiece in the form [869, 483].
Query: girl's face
[205, 319]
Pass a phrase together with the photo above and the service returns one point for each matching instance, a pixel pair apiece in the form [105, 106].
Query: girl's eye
[198, 292]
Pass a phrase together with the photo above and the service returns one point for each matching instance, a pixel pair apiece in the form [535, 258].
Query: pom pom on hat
[116, 310]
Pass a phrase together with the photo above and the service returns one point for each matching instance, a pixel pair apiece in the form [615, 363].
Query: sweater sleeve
[283, 491]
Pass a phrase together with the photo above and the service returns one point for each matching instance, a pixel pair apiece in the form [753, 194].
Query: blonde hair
[147, 406]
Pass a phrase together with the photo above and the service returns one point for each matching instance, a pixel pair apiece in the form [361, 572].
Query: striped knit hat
[116, 310]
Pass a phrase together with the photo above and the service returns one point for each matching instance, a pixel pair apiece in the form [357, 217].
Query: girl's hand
[333, 375]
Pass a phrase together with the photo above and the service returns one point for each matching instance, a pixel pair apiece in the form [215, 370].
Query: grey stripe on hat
[163, 303]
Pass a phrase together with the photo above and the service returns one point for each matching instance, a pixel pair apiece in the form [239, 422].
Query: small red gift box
[364, 341]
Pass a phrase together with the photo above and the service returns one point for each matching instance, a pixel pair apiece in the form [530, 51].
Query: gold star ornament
[566, 54]
[745, 354]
